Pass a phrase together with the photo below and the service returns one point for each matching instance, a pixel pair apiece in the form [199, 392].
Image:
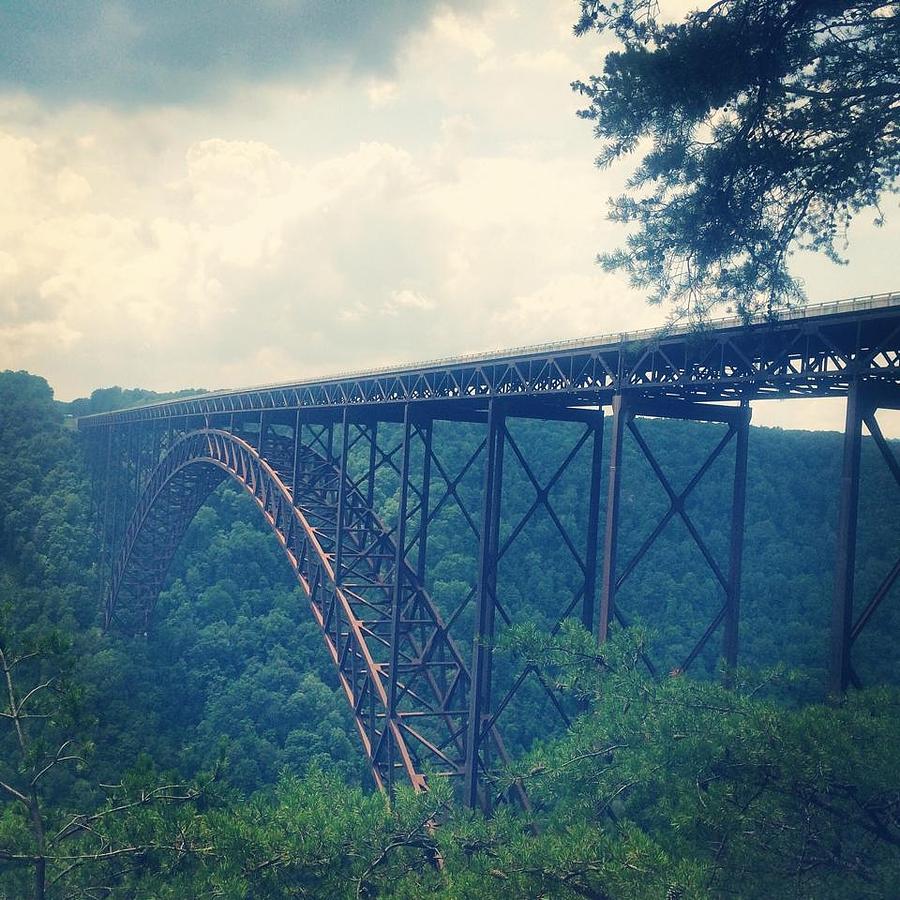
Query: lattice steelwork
[315, 457]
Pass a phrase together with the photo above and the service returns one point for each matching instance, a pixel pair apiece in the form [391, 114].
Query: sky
[198, 194]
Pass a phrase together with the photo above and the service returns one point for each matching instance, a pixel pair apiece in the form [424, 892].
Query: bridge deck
[812, 351]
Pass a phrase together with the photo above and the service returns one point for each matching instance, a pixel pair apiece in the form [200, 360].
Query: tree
[705, 790]
[28, 844]
[45, 849]
[769, 125]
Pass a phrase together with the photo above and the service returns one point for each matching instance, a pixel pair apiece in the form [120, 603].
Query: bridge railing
[856, 304]
[831, 307]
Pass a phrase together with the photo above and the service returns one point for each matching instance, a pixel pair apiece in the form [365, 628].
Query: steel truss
[810, 355]
[625, 415]
[352, 475]
[421, 704]
[503, 450]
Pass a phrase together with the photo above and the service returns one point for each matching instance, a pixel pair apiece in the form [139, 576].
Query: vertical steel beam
[421, 559]
[611, 534]
[106, 558]
[144, 430]
[341, 498]
[736, 541]
[91, 455]
[295, 468]
[480, 698]
[398, 595]
[373, 448]
[133, 451]
[845, 560]
[871, 422]
[593, 525]
[120, 486]
[262, 433]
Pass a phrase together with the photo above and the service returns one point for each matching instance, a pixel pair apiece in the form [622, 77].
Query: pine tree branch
[14, 793]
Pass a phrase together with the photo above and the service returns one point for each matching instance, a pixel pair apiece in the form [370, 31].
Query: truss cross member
[738, 422]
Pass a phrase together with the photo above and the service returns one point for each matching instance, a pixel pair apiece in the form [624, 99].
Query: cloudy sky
[215, 195]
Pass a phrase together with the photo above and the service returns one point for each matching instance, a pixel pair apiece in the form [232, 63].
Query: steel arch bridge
[420, 679]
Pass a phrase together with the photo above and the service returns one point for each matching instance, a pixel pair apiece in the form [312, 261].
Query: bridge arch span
[195, 465]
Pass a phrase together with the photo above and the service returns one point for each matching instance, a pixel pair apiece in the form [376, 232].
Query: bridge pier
[625, 411]
[731, 636]
[863, 403]
[486, 600]
[506, 456]
[611, 531]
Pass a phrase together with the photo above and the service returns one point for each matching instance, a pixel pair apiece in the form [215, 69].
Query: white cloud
[72, 189]
[9, 268]
[454, 30]
[407, 300]
[573, 305]
[288, 229]
[381, 92]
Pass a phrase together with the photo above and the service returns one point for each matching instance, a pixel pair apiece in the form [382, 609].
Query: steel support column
[482, 655]
[730, 642]
[593, 526]
[261, 440]
[398, 598]
[611, 534]
[893, 574]
[295, 465]
[424, 504]
[728, 580]
[107, 559]
[845, 560]
[370, 473]
[341, 498]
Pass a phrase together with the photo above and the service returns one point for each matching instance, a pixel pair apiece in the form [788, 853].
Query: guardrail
[827, 308]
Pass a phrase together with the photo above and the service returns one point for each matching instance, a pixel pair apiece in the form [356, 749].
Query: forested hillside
[232, 693]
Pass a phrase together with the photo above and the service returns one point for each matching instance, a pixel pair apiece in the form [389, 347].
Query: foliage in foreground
[645, 797]
[673, 788]
[741, 795]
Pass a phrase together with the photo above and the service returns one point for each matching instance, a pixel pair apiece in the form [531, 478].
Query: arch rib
[194, 466]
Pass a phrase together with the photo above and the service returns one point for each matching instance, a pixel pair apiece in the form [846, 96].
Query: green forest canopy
[232, 694]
